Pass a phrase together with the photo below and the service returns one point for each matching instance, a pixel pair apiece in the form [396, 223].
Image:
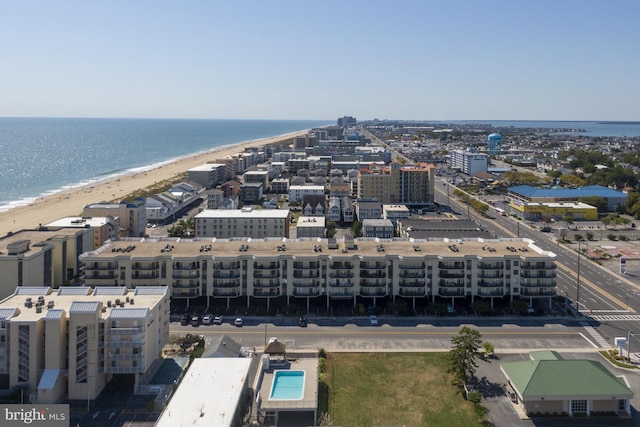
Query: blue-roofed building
[528, 194]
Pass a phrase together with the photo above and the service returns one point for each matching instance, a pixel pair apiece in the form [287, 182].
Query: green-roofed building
[548, 384]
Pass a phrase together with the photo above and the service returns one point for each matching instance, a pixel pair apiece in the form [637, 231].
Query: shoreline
[70, 202]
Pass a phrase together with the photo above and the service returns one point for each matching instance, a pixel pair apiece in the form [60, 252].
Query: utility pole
[578, 283]
[629, 335]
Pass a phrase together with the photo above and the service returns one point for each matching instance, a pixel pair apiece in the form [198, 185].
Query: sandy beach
[71, 203]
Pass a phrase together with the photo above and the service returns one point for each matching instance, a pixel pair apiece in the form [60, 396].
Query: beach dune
[71, 202]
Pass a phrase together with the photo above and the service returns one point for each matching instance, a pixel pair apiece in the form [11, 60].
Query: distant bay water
[42, 156]
[591, 128]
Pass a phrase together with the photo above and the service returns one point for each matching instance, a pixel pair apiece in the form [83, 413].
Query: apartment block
[70, 342]
[469, 162]
[246, 222]
[410, 185]
[310, 226]
[131, 216]
[208, 175]
[327, 270]
[42, 257]
[296, 192]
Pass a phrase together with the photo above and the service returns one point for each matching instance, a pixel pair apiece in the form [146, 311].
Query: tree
[464, 355]
[356, 228]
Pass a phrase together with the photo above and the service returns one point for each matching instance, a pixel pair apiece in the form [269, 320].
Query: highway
[608, 301]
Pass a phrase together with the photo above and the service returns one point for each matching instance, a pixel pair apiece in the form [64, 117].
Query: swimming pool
[287, 385]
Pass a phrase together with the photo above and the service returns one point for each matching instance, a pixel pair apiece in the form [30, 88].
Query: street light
[629, 335]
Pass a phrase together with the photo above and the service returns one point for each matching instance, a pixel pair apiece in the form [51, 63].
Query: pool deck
[309, 399]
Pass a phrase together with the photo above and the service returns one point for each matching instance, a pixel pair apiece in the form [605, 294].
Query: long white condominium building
[247, 222]
[328, 270]
[69, 342]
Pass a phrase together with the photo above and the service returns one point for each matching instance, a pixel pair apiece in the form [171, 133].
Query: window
[578, 406]
[622, 405]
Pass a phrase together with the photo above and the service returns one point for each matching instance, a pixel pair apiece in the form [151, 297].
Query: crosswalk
[614, 317]
[595, 335]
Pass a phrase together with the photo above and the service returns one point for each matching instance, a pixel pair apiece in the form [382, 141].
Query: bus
[500, 211]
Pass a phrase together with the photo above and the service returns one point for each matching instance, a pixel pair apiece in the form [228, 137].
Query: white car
[373, 320]
[207, 319]
[273, 339]
[238, 321]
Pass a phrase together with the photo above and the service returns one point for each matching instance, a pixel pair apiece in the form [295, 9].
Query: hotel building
[327, 270]
[70, 342]
[243, 223]
[409, 185]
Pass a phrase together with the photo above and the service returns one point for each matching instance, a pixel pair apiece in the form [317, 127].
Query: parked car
[238, 322]
[207, 319]
[545, 229]
[185, 319]
[302, 322]
[373, 320]
[218, 319]
[195, 320]
[272, 339]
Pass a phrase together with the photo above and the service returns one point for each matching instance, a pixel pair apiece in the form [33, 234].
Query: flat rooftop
[79, 222]
[243, 213]
[35, 237]
[309, 401]
[82, 298]
[208, 394]
[149, 248]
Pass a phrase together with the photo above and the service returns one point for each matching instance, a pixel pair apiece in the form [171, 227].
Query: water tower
[494, 144]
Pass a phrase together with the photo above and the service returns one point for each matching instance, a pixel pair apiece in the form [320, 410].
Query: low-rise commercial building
[70, 343]
[310, 226]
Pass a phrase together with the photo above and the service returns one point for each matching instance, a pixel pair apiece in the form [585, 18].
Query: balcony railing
[306, 274]
[266, 283]
[451, 283]
[301, 265]
[145, 266]
[414, 292]
[490, 292]
[185, 274]
[373, 282]
[266, 292]
[537, 266]
[306, 283]
[306, 292]
[411, 283]
[451, 292]
[538, 284]
[230, 274]
[539, 274]
[411, 266]
[411, 274]
[123, 369]
[341, 293]
[180, 285]
[372, 266]
[226, 265]
[447, 275]
[491, 266]
[265, 274]
[126, 331]
[490, 274]
[537, 292]
[490, 283]
[231, 283]
[124, 343]
[368, 274]
[186, 266]
[95, 275]
[101, 266]
[266, 266]
[141, 276]
[341, 283]
[341, 266]
[373, 292]
[226, 292]
[341, 274]
[451, 265]
[126, 356]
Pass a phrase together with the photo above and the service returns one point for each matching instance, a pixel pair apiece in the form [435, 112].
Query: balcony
[341, 293]
[367, 274]
[141, 276]
[451, 265]
[537, 266]
[306, 292]
[451, 292]
[447, 275]
[373, 292]
[411, 283]
[412, 266]
[265, 274]
[415, 292]
[451, 283]
[229, 293]
[301, 265]
[306, 283]
[226, 274]
[491, 266]
[341, 283]
[186, 266]
[533, 274]
[179, 285]
[126, 331]
[490, 274]
[411, 274]
[490, 284]
[372, 266]
[127, 356]
[373, 282]
[341, 266]
[124, 369]
[233, 265]
[102, 266]
[306, 274]
[100, 276]
[186, 274]
[266, 266]
[490, 292]
[231, 283]
[341, 275]
[537, 292]
[145, 266]
[266, 292]
[266, 283]
[538, 284]
[124, 343]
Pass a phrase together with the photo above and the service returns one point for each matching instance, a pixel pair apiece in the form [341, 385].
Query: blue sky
[433, 60]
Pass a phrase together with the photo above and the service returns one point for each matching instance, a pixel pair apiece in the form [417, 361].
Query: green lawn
[412, 389]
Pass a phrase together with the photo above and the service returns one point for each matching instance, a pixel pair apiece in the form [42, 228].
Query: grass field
[412, 389]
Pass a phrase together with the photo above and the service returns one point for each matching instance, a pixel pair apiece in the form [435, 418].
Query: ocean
[42, 156]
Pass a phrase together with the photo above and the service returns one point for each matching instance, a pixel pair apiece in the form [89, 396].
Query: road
[608, 301]
[508, 335]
